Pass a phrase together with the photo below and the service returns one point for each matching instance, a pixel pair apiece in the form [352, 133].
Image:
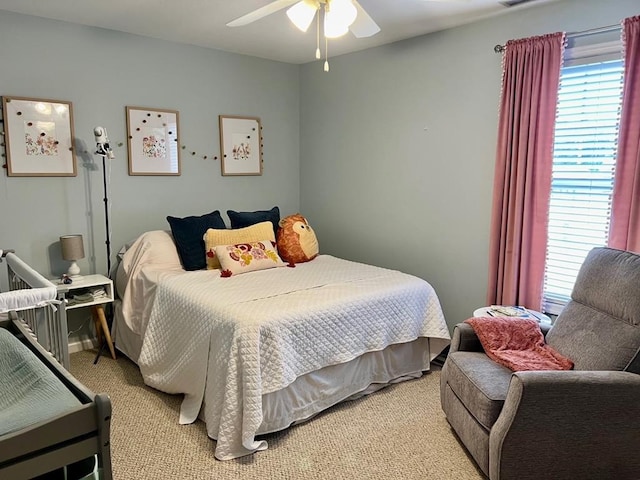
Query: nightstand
[81, 293]
[539, 316]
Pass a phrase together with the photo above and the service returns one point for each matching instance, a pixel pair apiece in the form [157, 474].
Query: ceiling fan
[339, 17]
[362, 25]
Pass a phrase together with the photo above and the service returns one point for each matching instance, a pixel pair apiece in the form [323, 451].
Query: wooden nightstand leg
[98, 312]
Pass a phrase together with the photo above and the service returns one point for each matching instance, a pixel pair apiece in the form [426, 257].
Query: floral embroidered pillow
[247, 257]
[225, 236]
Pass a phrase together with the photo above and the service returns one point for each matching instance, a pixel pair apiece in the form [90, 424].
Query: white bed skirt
[314, 392]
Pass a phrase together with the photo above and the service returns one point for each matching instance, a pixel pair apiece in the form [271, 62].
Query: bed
[258, 352]
[49, 422]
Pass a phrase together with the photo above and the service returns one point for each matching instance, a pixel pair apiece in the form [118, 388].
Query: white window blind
[583, 169]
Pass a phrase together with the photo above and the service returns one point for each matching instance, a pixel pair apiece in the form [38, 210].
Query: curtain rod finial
[498, 48]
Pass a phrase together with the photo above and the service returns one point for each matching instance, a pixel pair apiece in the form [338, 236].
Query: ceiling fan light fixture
[334, 25]
[302, 13]
[334, 29]
[338, 17]
[345, 10]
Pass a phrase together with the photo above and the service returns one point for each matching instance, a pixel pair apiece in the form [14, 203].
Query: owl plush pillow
[296, 240]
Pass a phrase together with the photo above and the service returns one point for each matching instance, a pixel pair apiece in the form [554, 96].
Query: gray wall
[398, 147]
[390, 155]
[102, 71]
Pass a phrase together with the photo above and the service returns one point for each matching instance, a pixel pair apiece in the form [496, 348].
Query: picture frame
[153, 141]
[240, 145]
[39, 137]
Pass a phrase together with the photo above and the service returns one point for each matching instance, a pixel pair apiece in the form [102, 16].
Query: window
[583, 170]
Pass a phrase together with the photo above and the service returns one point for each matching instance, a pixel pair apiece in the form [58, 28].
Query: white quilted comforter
[228, 341]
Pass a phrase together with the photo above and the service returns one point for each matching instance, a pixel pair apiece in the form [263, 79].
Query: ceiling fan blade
[364, 26]
[261, 12]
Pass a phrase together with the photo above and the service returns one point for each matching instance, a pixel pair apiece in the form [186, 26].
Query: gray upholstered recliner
[578, 424]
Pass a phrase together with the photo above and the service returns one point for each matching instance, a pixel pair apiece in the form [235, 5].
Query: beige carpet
[397, 433]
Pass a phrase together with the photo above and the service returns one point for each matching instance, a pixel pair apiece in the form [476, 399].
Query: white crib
[41, 309]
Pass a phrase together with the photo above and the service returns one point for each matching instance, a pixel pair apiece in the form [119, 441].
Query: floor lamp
[104, 150]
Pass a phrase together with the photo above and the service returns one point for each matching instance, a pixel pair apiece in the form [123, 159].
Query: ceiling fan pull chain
[326, 40]
[326, 54]
[318, 55]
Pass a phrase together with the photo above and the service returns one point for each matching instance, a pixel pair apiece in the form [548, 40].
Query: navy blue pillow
[246, 219]
[187, 234]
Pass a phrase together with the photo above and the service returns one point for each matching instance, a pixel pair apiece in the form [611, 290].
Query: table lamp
[72, 251]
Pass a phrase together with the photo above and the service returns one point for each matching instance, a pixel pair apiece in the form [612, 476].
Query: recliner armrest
[465, 339]
[557, 424]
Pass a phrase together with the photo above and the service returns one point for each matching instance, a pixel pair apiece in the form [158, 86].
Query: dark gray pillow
[246, 219]
[188, 233]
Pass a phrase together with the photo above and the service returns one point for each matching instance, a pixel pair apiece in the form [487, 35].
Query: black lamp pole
[103, 149]
[106, 214]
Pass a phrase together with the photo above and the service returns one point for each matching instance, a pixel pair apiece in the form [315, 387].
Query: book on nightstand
[509, 311]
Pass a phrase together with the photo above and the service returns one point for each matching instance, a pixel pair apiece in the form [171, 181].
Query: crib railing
[48, 322]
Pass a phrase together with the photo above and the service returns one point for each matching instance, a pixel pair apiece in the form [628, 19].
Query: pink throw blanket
[517, 343]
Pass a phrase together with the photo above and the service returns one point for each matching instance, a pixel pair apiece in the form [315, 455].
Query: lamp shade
[72, 247]
[339, 15]
[333, 28]
[302, 13]
[345, 10]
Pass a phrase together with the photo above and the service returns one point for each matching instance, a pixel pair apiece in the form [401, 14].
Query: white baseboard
[83, 344]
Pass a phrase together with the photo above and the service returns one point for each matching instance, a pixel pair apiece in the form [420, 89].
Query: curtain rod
[608, 28]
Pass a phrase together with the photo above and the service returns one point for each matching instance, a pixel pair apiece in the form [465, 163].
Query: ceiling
[203, 22]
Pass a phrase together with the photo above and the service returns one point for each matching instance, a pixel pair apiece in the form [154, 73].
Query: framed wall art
[240, 145]
[153, 141]
[38, 137]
